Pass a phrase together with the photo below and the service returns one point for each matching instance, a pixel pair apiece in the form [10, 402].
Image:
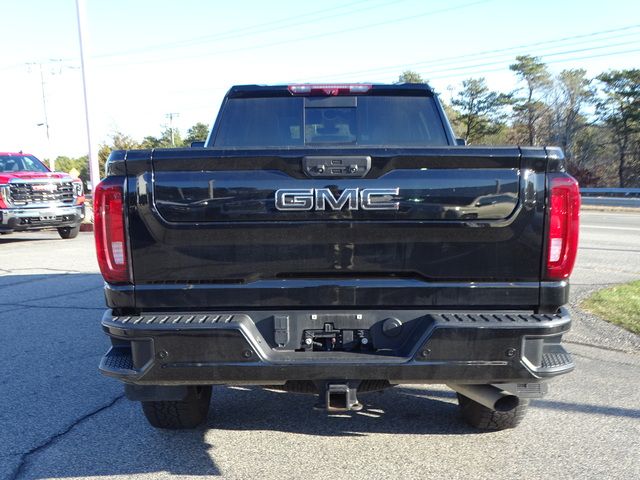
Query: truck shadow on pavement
[118, 441]
[403, 410]
[6, 239]
[241, 416]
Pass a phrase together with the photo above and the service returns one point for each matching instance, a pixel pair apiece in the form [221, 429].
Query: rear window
[318, 121]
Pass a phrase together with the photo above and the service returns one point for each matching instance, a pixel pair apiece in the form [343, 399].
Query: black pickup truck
[336, 240]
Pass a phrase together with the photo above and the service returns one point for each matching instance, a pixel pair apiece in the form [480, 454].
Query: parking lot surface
[60, 418]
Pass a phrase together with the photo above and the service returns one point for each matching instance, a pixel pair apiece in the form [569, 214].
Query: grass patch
[619, 305]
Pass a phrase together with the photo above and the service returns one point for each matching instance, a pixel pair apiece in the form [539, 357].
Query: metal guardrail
[611, 197]
[610, 192]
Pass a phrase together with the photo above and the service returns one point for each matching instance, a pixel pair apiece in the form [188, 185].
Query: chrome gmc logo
[44, 187]
[302, 199]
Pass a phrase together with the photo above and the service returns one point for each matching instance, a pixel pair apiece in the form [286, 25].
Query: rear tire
[180, 414]
[484, 418]
[69, 232]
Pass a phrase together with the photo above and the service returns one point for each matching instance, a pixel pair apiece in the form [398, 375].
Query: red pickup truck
[33, 198]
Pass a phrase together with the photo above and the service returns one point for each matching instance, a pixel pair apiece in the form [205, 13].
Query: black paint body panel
[204, 231]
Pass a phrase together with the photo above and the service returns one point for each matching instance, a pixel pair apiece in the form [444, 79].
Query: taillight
[329, 89]
[109, 231]
[564, 226]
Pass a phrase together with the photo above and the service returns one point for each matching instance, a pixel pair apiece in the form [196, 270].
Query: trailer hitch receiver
[339, 397]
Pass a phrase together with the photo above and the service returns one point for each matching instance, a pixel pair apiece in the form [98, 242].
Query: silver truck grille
[23, 194]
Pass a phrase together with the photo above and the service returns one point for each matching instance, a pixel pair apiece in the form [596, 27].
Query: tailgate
[423, 218]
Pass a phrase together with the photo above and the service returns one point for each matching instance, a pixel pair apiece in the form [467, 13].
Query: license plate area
[47, 218]
[330, 339]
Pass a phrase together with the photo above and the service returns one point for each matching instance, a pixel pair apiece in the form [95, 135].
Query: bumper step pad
[119, 361]
[557, 358]
[493, 318]
[167, 320]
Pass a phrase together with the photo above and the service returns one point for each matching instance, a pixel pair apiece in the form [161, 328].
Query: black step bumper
[260, 347]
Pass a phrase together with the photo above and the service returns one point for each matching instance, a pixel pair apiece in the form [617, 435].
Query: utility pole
[45, 124]
[94, 167]
[170, 116]
[450, 89]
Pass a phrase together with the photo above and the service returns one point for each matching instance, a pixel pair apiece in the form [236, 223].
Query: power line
[308, 37]
[11, 67]
[251, 30]
[506, 61]
[484, 53]
[561, 60]
[378, 69]
[566, 52]
[57, 62]
[238, 32]
[464, 67]
[502, 65]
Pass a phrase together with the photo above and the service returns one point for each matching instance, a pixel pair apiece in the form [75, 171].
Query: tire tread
[68, 232]
[179, 414]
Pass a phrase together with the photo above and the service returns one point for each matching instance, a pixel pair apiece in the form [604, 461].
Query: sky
[150, 58]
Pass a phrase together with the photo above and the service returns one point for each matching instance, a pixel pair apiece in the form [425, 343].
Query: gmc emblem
[44, 187]
[304, 199]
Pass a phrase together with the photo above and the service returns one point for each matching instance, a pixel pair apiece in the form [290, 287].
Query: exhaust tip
[506, 403]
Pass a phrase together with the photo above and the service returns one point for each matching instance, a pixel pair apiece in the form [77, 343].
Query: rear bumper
[260, 347]
[20, 219]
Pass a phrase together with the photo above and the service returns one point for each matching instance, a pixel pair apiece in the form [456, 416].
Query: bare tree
[529, 108]
[572, 93]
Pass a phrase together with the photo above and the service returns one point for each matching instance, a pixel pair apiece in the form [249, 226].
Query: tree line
[168, 138]
[595, 120]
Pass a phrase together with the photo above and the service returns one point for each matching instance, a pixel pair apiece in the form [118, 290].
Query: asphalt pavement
[59, 418]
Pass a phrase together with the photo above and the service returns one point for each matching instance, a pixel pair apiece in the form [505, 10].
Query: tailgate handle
[334, 166]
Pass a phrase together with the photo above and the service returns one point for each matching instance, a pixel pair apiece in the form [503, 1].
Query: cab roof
[329, 89]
